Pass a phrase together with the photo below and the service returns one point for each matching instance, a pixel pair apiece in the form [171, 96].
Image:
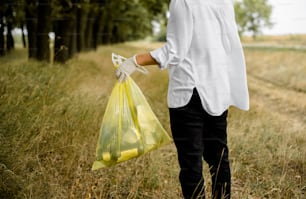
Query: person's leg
[187, 128]
[216, 155]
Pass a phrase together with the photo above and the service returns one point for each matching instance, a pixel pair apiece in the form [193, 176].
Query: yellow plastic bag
[129, 127]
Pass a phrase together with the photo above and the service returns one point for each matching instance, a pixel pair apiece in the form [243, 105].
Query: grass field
[51, 115]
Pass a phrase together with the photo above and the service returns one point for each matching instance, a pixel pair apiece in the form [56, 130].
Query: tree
[9, 14]
[79, 25]
[7, 22]
[252, 16]
[64, 27]
[158, 10]
[43, 29]
[31, 23]
[2, 40]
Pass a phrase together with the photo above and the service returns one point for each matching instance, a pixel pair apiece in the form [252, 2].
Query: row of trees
[81, 25]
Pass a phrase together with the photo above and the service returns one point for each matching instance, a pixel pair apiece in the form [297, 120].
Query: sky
[288, 16]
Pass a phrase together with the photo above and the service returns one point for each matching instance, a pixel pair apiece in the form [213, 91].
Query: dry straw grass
[290, 40]
[50, 119]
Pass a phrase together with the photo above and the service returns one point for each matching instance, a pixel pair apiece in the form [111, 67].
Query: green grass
[51, 115]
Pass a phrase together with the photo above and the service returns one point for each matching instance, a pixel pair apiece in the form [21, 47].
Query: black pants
[198, 135]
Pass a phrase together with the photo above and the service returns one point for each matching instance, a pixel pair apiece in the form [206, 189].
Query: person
[207, 75]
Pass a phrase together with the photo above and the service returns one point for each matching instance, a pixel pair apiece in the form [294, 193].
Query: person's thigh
[216, 154]
[187, 128]
[215, 137]
[187, 131]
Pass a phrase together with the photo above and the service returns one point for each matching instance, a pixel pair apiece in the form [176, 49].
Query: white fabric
[203, 51]
[126, 66]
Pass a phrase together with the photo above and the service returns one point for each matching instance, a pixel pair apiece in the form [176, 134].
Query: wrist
[135, 60]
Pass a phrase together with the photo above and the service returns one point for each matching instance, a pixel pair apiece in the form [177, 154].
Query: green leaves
[80, 25]
[252, 16]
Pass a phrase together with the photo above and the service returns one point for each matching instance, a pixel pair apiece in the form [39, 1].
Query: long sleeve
[203, 51]
[179, 35]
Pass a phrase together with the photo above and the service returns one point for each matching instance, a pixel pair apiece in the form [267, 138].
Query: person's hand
[127, 67]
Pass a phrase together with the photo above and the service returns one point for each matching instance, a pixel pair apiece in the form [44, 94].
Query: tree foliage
[80, 25]
[252, 16]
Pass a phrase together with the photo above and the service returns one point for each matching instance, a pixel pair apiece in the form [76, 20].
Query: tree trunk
[107, 29]
[10, 44]
[89, 31]
[73, 36]
[73, 40]
[43, 29]
[2, 49]
[31, 23]
[62, 39]
[24, 42]
[97, 30]
[9, 25]
[82, 15]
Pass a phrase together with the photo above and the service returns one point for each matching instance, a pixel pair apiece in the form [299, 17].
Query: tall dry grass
[51, 115]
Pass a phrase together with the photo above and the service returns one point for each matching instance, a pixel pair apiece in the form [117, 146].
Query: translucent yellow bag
[129, 127]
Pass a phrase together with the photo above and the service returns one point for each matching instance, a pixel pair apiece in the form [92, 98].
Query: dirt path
[266, 46]
[288, 103]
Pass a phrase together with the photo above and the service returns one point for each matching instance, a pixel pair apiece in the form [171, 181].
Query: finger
[122, 77]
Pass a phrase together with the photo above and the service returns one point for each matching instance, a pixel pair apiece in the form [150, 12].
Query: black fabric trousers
[197, 136]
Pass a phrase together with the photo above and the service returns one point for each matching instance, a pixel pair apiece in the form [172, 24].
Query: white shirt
[203, 51]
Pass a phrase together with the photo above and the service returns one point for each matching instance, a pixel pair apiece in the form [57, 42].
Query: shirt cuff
[159, 56]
